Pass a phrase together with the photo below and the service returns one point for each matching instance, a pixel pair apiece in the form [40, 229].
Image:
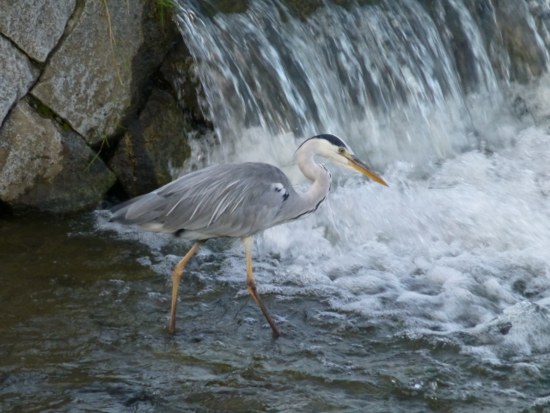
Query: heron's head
[337, 151]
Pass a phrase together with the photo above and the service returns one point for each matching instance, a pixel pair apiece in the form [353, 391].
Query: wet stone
[44, 167]
[155, 148]
[94, 79]
[35, 25]
[17, 76]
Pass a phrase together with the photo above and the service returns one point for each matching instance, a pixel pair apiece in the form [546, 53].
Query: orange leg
[248, 241]
[176, 277]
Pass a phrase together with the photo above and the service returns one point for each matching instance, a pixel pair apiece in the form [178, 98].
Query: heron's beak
[359, 166]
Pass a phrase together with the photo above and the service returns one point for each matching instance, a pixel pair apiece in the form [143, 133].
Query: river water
[430, 295]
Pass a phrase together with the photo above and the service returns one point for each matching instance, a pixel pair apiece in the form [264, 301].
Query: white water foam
[460, 250]
[458, 245]
[461, 247]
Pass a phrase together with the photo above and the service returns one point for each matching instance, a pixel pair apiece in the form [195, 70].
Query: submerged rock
[44, 167]
[522, 329]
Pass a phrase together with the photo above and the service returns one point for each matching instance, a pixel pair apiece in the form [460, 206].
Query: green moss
[104, 145]
[164, 10]
[43, 110]
[47, 113]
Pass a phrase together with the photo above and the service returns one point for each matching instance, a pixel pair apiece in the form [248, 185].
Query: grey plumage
[234, 200]
[237, 201]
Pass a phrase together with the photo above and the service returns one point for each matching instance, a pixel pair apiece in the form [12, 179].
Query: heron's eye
[341, 150]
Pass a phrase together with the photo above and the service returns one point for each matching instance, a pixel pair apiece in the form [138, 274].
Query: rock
[484, 15]
[453, 24]
[528, 54]
[178, 71]
[96, 76]
[35, 25]
[540, 10]
[155, 148]
[44, 167]
[17, 75]
[178, 74]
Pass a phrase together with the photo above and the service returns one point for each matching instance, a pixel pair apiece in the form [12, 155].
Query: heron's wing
[223, 200]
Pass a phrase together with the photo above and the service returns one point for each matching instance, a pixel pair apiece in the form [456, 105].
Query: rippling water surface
[430, 295]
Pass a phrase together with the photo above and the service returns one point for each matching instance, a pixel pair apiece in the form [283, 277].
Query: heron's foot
[254, 293]
[276, 333]
[172, 328]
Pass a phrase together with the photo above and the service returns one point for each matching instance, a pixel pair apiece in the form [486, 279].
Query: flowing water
[430, 295]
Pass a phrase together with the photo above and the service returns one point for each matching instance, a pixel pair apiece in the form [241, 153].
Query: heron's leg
[248, 241]
[176, 277]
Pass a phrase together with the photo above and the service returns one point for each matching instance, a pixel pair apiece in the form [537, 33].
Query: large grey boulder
[95, 77]
[528, 54]
[17, 75]
[47, 167]
[155, 147]
[35, 25]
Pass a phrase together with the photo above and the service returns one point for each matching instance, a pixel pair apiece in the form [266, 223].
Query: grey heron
[238, 201]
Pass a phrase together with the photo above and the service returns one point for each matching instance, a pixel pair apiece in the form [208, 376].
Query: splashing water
[457, 246]
[452, 252]
[430, 295]
[383, 76]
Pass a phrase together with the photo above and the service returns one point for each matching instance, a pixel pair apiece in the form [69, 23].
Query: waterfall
[408, 80]
[441, 96]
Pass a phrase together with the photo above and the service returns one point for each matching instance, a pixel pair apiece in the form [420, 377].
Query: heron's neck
[318, 174]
